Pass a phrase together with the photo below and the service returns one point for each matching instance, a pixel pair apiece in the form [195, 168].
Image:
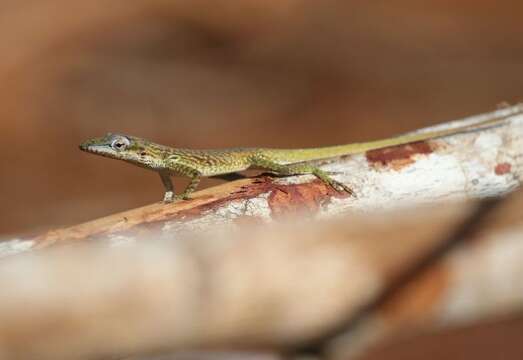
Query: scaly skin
[194, 164]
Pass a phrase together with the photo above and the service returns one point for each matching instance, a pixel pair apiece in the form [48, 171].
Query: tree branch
[481, 163]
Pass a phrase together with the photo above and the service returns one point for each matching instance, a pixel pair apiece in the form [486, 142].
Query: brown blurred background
[223, 73]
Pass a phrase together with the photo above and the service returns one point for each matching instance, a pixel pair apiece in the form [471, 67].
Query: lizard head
[128, 148]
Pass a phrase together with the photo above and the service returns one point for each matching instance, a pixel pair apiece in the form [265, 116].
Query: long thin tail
[310, 154]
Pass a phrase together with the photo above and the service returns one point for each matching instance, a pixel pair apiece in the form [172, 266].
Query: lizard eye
[120, 143]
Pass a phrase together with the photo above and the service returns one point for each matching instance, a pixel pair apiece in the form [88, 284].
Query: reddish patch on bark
[294, 198]
[398, 156]
[258, 186]
[143, 221]
[502, 168]
[151, 218]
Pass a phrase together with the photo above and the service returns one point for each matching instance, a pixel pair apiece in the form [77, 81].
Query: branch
[263, 288]
[473, 282]
[476, 164]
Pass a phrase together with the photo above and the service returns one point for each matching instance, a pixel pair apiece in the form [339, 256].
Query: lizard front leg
[175, 167]
[195, 180]
[169, 188]
[299, 169]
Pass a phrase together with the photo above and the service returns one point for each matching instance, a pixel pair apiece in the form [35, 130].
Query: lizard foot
[168, 197]
[338, 186]
[182, 197]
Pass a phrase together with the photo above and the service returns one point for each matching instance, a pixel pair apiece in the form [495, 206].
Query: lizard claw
[338, 186]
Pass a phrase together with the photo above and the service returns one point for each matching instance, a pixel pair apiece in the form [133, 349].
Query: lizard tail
[311, 154]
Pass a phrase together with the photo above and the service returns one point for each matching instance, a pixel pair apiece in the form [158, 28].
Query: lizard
[195, 163]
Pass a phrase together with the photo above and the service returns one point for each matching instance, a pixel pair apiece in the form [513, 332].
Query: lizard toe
[342, 188]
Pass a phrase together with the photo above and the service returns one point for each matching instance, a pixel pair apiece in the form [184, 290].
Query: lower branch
[260, 288]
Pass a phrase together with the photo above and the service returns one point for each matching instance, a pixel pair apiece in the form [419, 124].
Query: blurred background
[224, 73]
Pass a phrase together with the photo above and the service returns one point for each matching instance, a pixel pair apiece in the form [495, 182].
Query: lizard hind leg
[326, 178]
[300, 169]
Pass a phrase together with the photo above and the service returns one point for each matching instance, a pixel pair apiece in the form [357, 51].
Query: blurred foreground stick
[260, 288]
[477, 164]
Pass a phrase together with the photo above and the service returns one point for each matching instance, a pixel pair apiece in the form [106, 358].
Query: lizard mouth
[84, 147]
[97, 149]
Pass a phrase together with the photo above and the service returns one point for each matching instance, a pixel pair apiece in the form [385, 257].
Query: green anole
[168, 161]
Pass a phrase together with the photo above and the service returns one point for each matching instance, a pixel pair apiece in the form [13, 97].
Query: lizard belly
[222, 169]
[215, 162]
